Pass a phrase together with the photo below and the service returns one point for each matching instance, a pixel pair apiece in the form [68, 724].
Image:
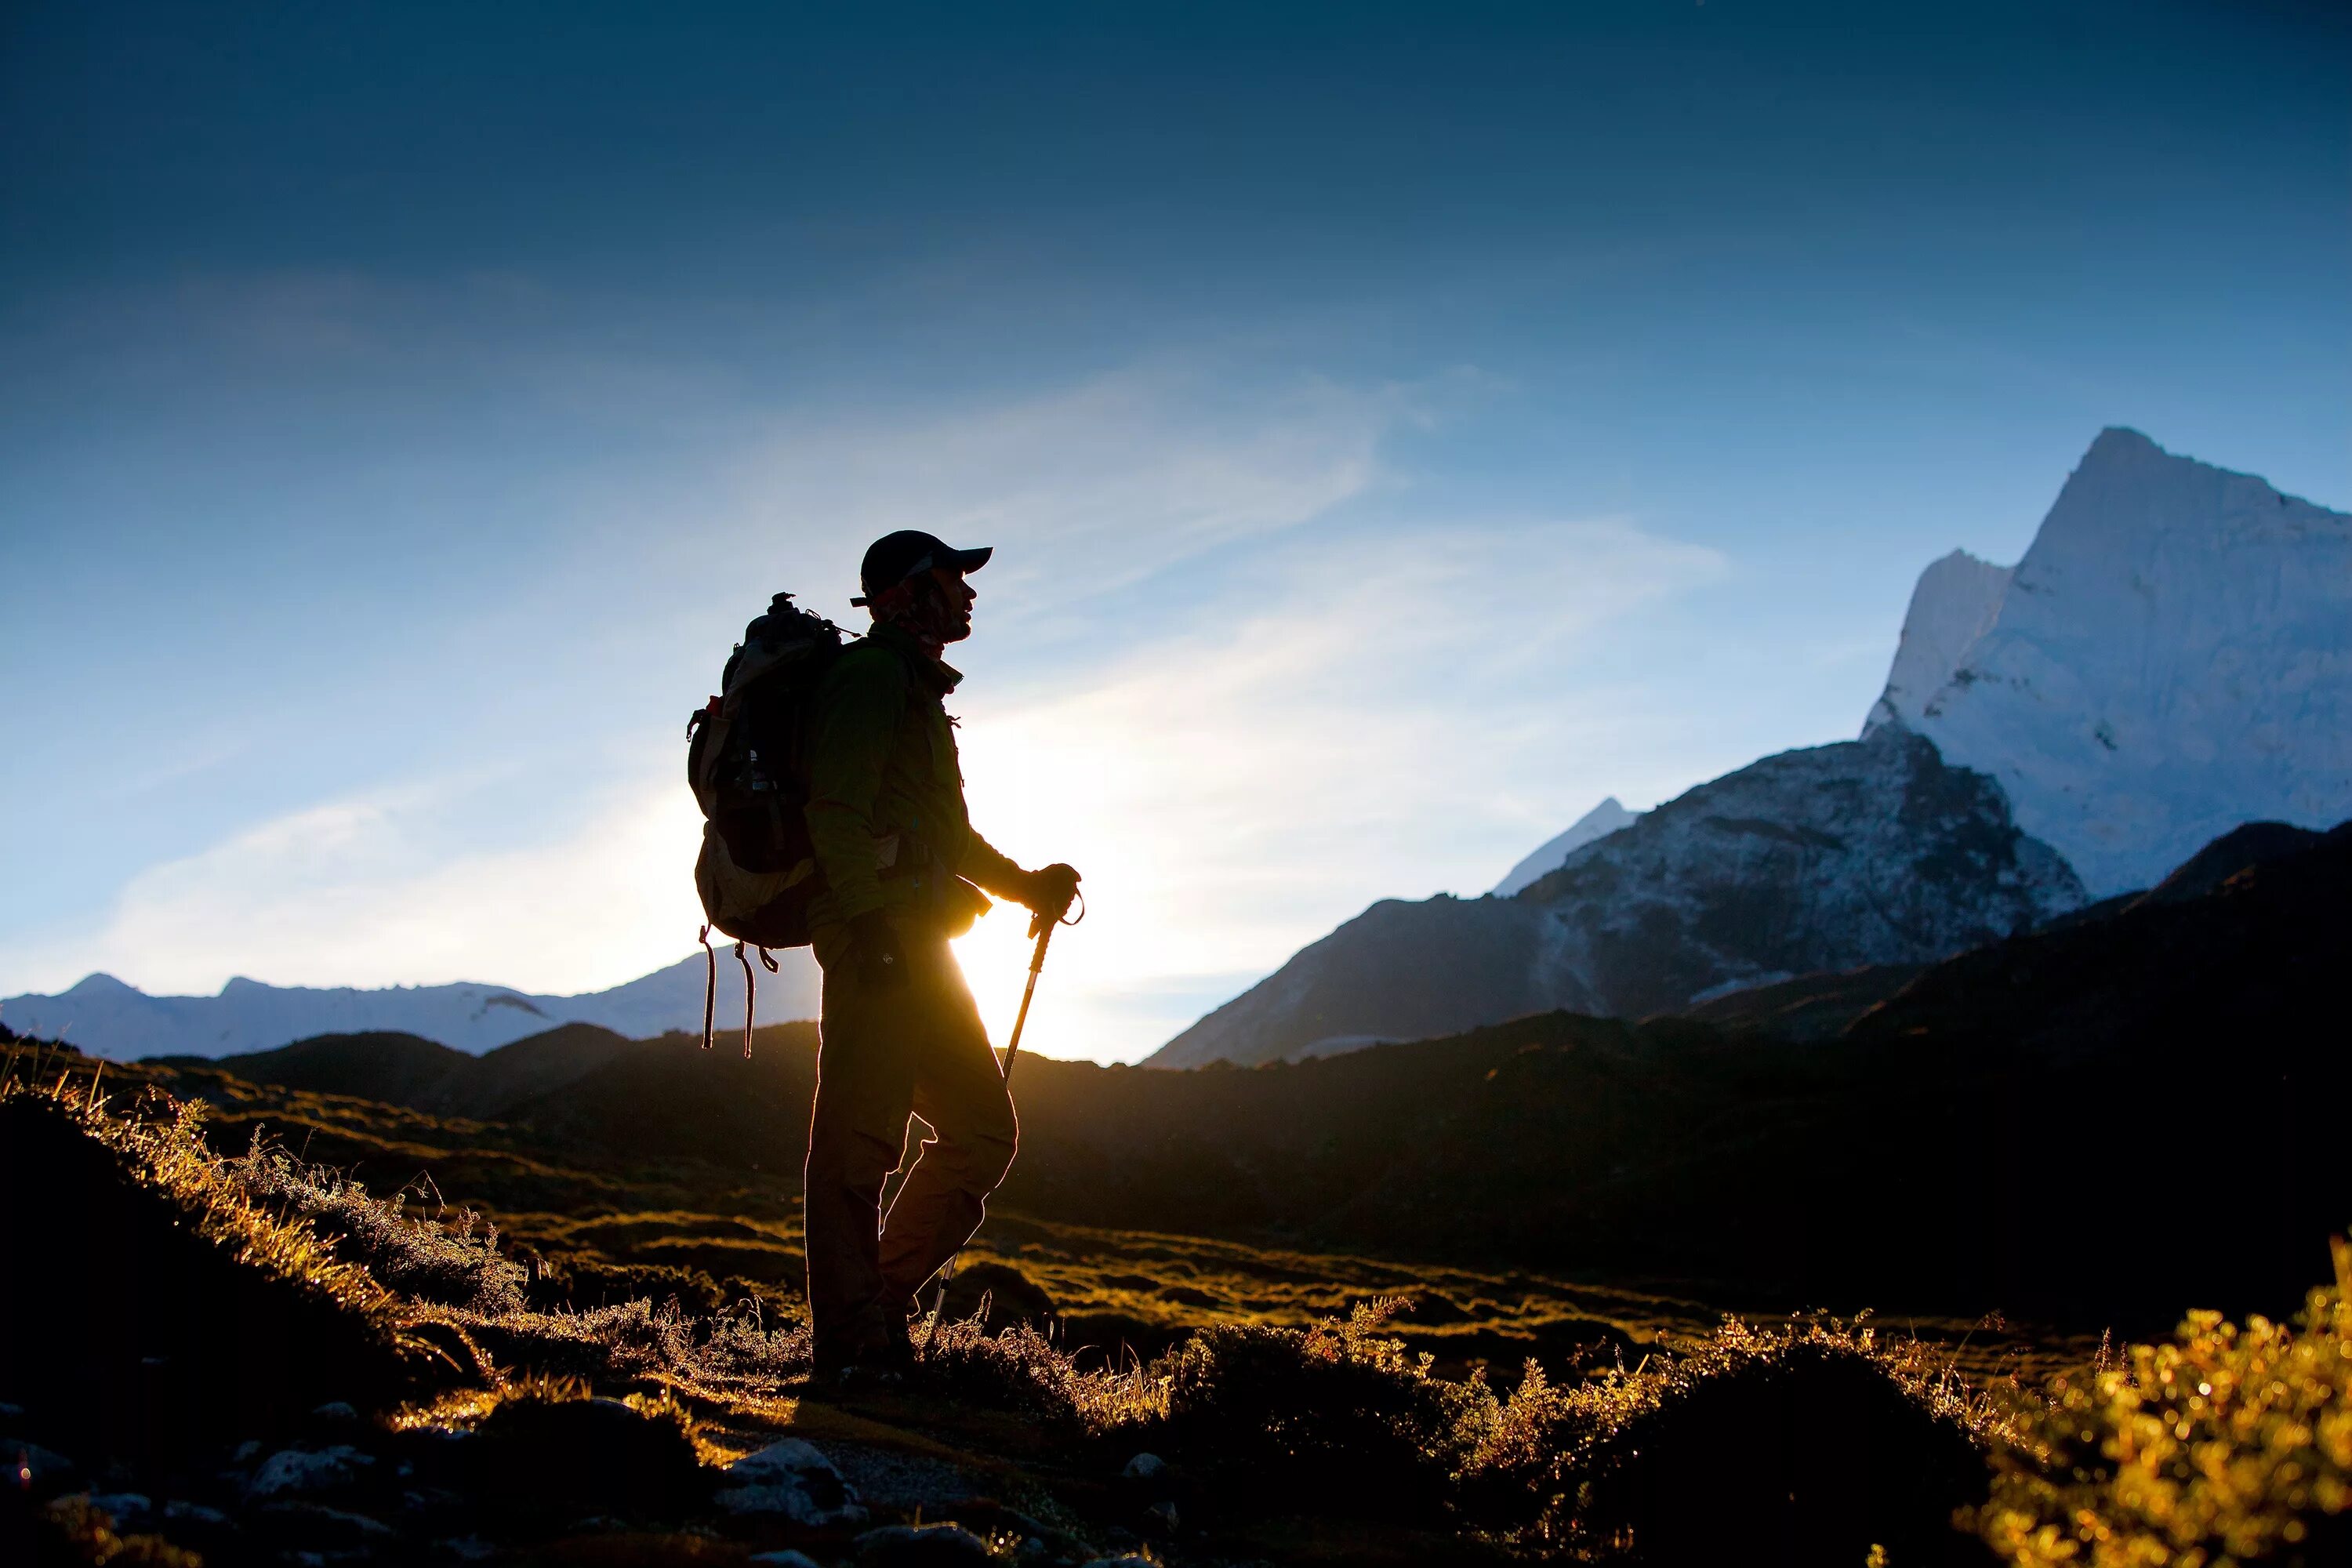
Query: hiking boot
[879, 1360]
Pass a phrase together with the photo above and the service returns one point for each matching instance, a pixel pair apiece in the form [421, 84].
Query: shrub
[1335, 1413]
[2226, 1445]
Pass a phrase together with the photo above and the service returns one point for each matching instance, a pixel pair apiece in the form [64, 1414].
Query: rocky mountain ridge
[1869, 851]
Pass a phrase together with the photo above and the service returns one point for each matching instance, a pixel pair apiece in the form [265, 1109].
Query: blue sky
[1399, 428]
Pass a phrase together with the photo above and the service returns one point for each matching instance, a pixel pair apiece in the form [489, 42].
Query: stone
[298, 1472]
[1144, 1467]
[335, 1410]
[122, 1507]
[787, 1558]
[923, 1546]
[1129, 1560]
[793, 1480]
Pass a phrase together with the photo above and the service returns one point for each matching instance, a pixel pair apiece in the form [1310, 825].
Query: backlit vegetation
[2231, 1444]
[1811, 1440]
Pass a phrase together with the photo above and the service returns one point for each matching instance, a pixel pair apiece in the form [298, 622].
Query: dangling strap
[709, 984]
[750, 993]
[769, 959]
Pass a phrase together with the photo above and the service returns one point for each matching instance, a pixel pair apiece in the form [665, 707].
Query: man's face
[960, 595]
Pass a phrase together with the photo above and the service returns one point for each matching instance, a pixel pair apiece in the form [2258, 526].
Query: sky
[1399, 427]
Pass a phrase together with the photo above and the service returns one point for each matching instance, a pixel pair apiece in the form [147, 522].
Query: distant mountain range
[106, 1017]
[2172, 657]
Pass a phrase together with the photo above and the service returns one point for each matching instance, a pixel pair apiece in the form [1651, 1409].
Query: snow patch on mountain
[1875, 851]
[1954, 605]
[2170, 659]
[106, 1017]
[1599, 822]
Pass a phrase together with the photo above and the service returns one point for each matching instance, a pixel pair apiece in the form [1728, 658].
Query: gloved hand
[1048, 894]
[873, 951]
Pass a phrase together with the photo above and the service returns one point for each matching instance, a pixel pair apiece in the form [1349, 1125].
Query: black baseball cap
[894, 557]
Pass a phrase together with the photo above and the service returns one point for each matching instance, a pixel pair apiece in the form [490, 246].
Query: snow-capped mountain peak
[2168, 660]
[1953, 606]
[1599, 822]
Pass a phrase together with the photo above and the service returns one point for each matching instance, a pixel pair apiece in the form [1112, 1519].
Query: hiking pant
[918, 1048]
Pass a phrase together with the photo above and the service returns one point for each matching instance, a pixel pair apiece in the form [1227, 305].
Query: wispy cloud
[1233, 793]
[1085, 489]
[382, 890]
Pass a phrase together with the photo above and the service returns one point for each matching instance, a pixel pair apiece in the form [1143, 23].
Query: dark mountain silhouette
[2255, 844]
[377, 1063]
[1811, 1006]
[403, 1069]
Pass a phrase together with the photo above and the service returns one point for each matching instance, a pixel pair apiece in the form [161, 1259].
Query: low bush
[2228, 1444]
[1338, 1412]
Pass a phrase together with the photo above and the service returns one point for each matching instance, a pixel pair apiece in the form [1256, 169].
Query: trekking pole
[1036, 962]
[1012, 1050]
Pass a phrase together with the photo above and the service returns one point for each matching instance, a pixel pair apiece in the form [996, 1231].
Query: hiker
[899, 1032]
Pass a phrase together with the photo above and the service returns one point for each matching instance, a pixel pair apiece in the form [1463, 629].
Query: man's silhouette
[901, 1033]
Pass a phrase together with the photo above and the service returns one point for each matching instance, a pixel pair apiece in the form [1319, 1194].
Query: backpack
[746, 761]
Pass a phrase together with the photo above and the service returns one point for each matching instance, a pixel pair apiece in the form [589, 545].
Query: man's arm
[985, 864]
[1047, 893]
[856, 717]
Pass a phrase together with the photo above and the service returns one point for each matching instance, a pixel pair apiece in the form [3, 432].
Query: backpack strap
[750, 993]
[710, 983]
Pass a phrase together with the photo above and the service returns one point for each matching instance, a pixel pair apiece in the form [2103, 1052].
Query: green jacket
[882, 765]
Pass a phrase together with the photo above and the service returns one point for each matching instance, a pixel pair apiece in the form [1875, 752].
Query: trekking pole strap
[710, 983]
[750, 993]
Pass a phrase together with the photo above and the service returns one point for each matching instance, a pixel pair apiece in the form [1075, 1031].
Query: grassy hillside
[472, 1422]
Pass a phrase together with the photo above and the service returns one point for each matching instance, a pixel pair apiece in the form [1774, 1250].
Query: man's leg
[864, 1090]
[958, 1089]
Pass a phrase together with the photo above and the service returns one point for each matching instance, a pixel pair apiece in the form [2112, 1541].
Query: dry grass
[441, 1259]
[1814, 1440]
[159, 1148]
